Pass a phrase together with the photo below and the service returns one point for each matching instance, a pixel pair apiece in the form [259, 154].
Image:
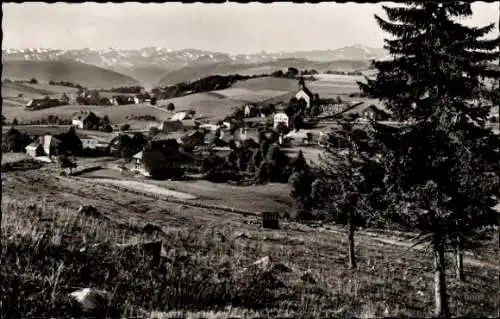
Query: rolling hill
[85, 74]
[190, 73]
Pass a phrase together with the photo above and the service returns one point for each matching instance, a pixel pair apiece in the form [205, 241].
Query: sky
[228, 27]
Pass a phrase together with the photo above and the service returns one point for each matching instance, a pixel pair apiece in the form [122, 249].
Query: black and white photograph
[250, 160]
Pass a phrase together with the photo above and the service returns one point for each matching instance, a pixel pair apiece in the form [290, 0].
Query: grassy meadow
[207, 270]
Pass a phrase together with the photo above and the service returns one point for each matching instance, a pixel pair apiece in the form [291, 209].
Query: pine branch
[393, 28]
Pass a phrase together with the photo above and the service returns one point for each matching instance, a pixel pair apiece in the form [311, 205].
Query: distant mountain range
[152, 65]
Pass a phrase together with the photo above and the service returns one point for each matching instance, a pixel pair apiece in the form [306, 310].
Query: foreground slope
[207, 260]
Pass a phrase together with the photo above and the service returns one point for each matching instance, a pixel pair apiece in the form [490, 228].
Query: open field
[206, 105]
[238, 94]
[206, 266]
[273, 197]
[116, 113]
[11, 93]
[268, 83]
[9, 157]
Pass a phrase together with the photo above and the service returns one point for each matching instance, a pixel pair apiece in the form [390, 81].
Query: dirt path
[367, 236]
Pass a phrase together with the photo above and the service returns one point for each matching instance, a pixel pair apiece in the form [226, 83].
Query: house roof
[298, 134]
[307, 91]
[169, 136]
[138, 155]
[189, 123]
[33, 145]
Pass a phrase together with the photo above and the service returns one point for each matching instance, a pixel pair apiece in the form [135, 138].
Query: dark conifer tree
[440, 166]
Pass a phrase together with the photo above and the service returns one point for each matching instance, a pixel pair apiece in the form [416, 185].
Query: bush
[125, 127]
[33, 81]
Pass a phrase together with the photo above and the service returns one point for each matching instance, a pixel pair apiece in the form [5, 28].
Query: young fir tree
[348, 178]
[439, 165]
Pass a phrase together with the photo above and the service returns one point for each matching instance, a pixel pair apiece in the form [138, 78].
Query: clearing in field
[274, 197]
[206, 105]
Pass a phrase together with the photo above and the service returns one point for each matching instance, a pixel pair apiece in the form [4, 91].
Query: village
[153, 168]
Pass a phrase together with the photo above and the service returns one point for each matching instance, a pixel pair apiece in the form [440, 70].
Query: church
[304, 93]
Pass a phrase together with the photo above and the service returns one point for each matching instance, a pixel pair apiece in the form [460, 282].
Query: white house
[34, 149]
[77, 122]
[281, 118]
[139, 164]
[179, 116]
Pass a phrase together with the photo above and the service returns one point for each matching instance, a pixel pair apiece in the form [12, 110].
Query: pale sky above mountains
[228, 27]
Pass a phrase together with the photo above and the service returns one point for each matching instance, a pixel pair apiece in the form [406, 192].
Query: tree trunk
[459, 263]
[441, 309]
[350, 237]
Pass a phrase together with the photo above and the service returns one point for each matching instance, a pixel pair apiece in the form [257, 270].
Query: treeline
[220, 82]
[127, 89]
[66, 83]
[31, 81]
[210, 83]
[146, 117]
[344, 72]
[50, 119]
[293, 73]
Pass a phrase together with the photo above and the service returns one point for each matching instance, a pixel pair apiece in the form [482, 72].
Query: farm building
[35, 149]
[281, 118]
[304, 93]
[89, 143]
[138, 160]
[331, 109]
[299, 137]
[77, 122]
[38, 104]
[142, 98]
[139, 164]
[45, 146]
[85, 119]
[188, 124]
[50, 145]
[250, 110]
[209, 127]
